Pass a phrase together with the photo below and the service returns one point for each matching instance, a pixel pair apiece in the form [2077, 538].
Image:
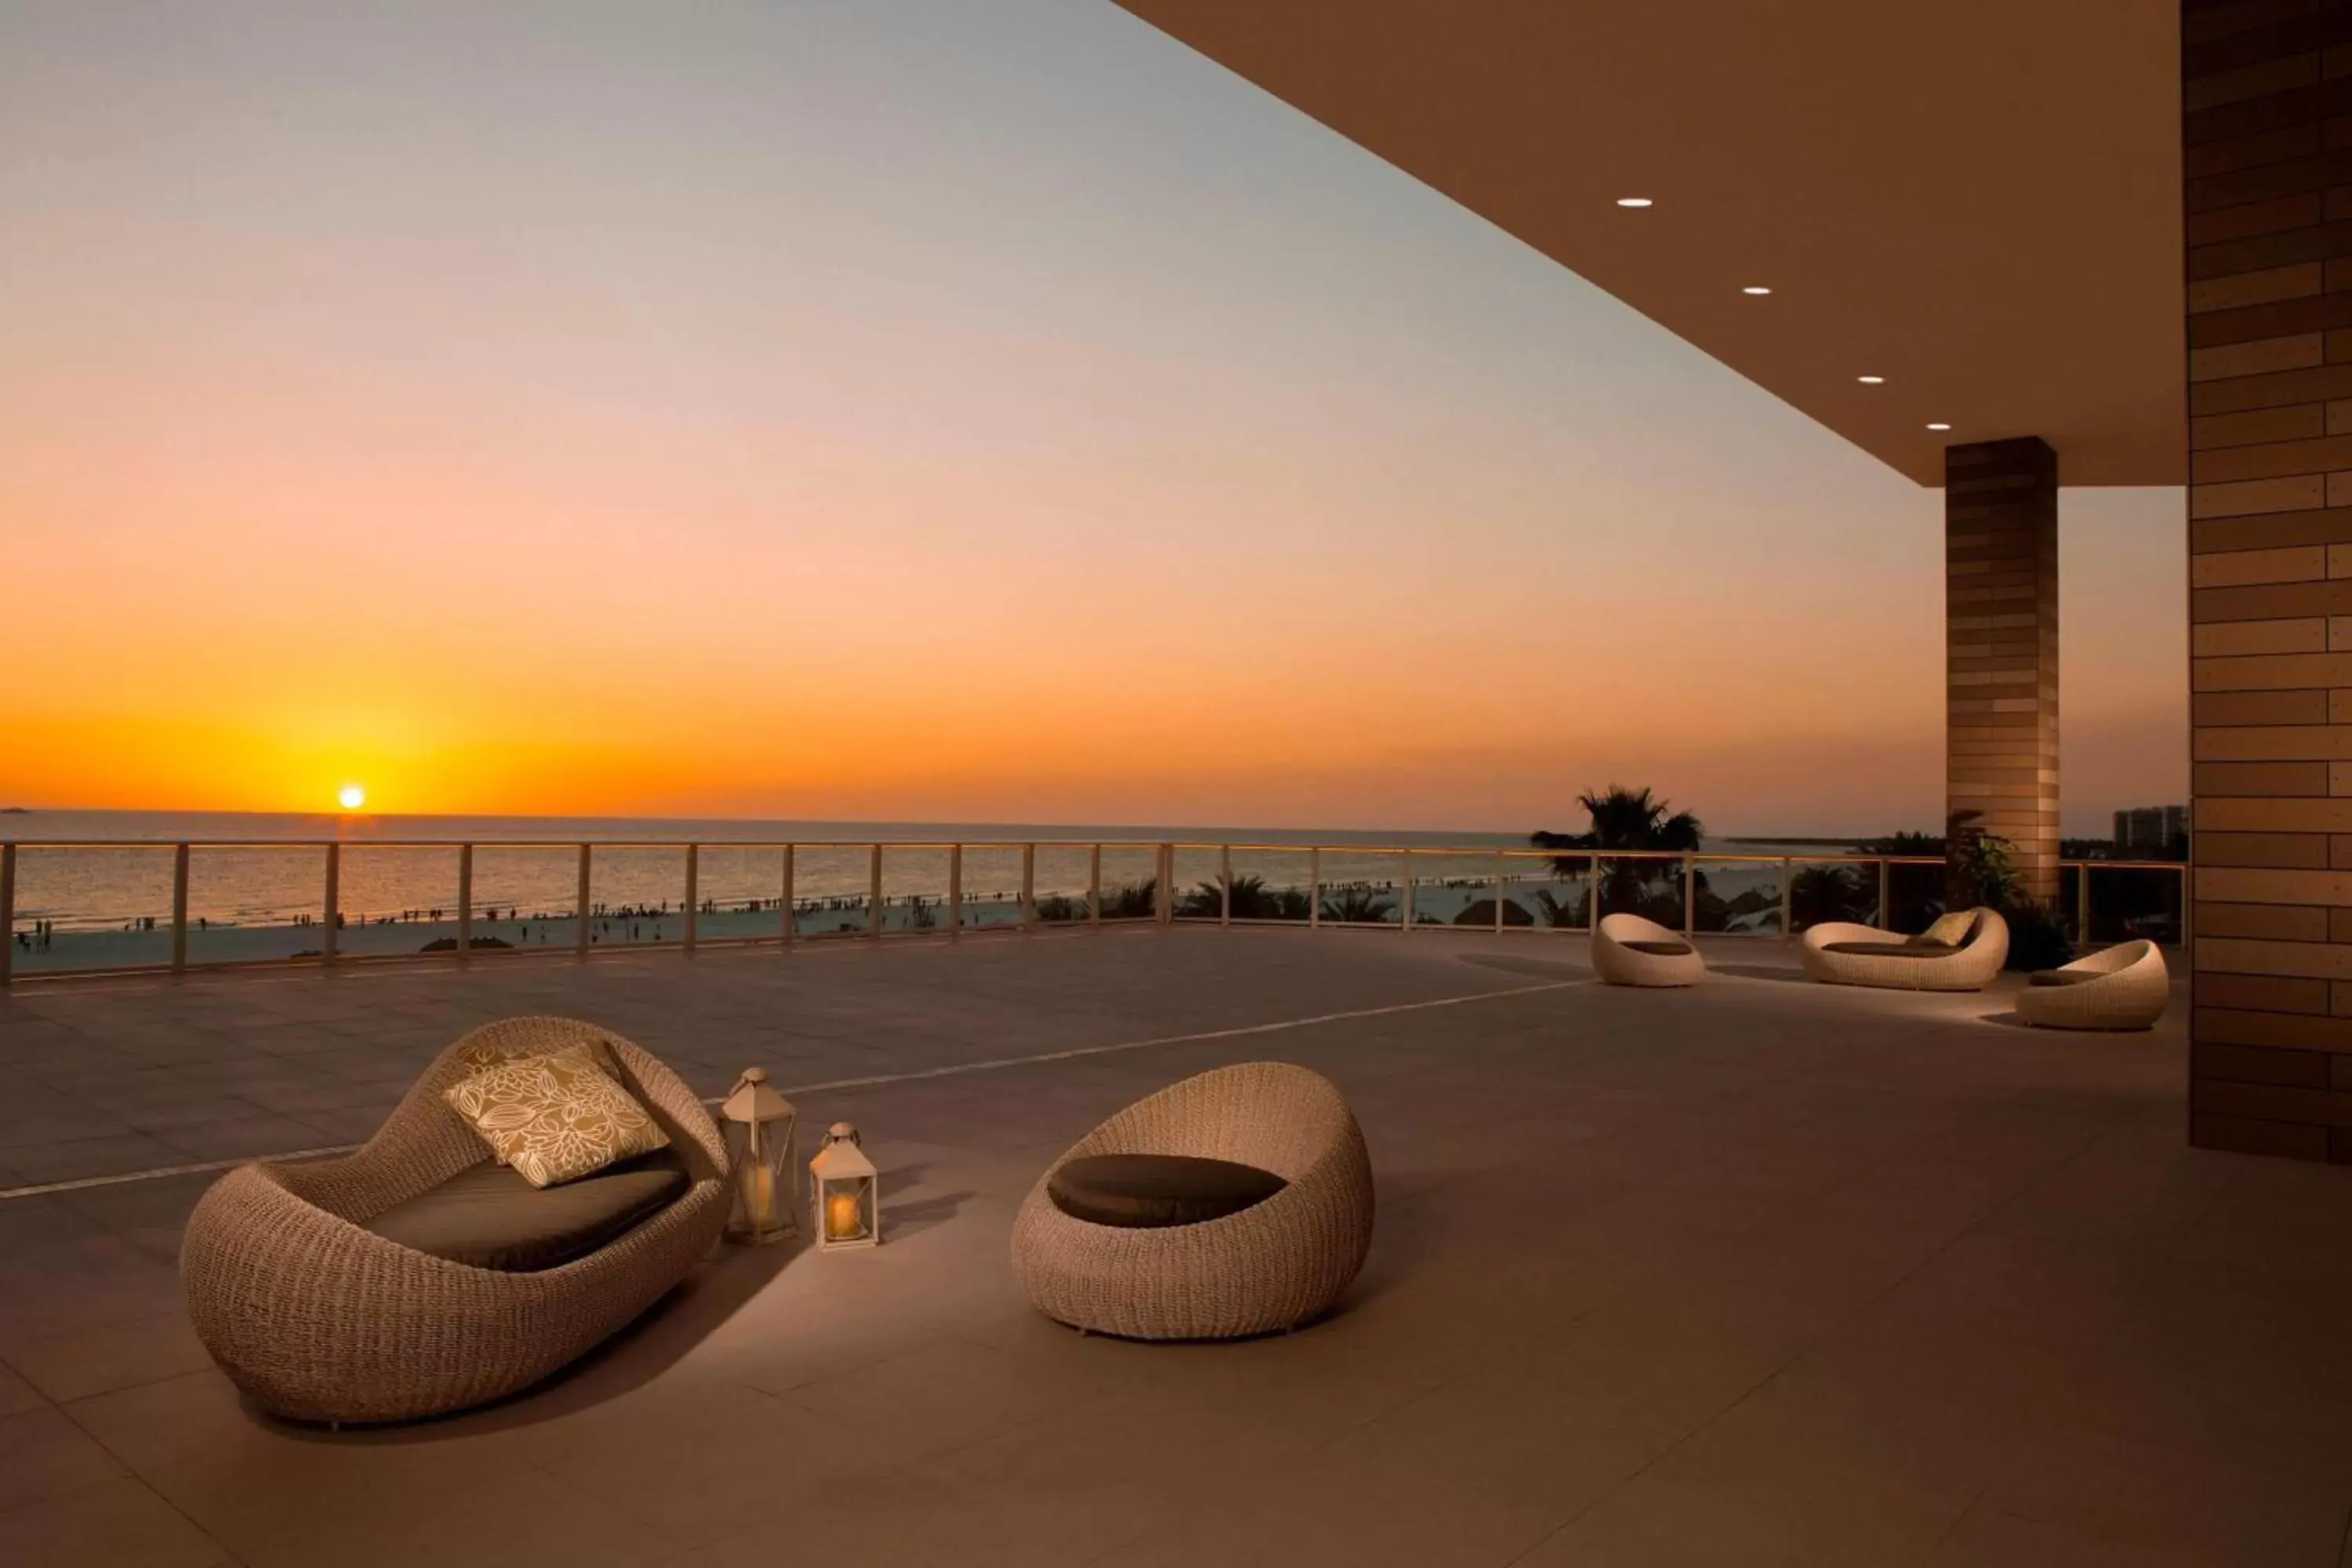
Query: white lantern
[843, 1201]
[766, 1161]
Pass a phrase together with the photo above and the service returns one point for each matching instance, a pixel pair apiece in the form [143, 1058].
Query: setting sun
[352, 796]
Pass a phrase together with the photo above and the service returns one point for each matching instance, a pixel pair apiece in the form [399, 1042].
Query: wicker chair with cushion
[1630, 950]
[1263, 1262]
[1961, 951]
[2122, 987]
[298, 1287]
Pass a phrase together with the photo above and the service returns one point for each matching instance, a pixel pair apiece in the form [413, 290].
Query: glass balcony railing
[97, 907]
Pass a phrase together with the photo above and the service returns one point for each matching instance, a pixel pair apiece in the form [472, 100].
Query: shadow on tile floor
[638, 1354]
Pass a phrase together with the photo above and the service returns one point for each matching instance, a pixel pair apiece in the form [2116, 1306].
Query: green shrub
[2036, 939]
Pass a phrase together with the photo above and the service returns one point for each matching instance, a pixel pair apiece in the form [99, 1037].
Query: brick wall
[2267, 143]
[2000, 610]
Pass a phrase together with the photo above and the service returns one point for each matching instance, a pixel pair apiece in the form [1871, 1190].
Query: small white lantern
[846, 1204]
[766, 1161]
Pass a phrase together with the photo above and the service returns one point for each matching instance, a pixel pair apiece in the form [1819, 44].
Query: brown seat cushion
[1145, 1192]
[1659, 949]
[1914, 948]
[2063, 977]
[491, 1217]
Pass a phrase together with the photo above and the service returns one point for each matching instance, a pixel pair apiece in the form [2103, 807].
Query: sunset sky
[892, 410]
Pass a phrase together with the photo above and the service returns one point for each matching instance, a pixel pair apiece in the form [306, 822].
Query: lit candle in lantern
[842, 1191]
[759, 1195]
[759, 1123]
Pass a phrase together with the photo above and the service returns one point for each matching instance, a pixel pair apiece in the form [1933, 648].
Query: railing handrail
[1484, 851]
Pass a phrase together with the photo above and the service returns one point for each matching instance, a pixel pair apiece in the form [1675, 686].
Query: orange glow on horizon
[1086, 438]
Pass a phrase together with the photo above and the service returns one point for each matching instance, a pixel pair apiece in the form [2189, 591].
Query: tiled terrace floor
[1762, 1273]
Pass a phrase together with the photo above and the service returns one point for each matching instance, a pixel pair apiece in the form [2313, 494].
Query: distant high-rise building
[2152, 829]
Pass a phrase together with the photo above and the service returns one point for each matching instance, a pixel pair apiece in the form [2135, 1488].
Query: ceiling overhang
[1979, 204]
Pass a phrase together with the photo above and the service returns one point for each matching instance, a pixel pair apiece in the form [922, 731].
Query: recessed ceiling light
[1633, 202]
[1872, 380]
[1937, 424]
[1755, 289]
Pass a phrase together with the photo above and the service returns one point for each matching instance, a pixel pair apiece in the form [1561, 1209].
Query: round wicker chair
[1619, 961]
[1273, 1265]
[319, 1320]
[1980, 945]
[2122, 987]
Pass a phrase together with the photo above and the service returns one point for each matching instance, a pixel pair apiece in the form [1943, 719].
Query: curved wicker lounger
[1620, 964]
[1979, 936]
[1272, 1266]
[2129, 992]
[319, 1320]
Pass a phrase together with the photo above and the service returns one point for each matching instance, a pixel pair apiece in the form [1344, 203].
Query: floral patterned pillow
[555, 1118]
[482, 1058]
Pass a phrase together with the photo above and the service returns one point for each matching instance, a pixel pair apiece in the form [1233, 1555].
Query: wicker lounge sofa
[1961, 951]
[2123, 987]
[318, 1318]
[1630, 950]
[1272, 1265]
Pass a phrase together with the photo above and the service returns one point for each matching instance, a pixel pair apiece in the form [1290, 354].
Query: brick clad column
[2267, 149]
[2001, 609]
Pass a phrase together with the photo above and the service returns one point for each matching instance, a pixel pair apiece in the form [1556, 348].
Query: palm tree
[1626, 819]
[1358, 906]
[1250, 901]
[1561, 913]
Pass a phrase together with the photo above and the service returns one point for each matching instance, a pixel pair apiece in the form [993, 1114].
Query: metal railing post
[1094, 886]
[693, 893]
[2186, 878]
[1786, 930]
[334, 903]
[791, 924]
[2083, 903]
[874, 913]
[1166, 902]
[1225, 884]
[580, 902]
[179, 907]
[1028, 886]
[1501, 872]
[465, 903]
[1314, 888]
[1592, 895]
[955, 892]
[7, 914]
[1690, 894]
[1886, 909]
[1404, 910]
